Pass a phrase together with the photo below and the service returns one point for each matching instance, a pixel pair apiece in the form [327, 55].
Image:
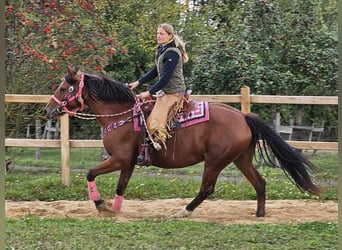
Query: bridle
[69, 98]
[62, 108]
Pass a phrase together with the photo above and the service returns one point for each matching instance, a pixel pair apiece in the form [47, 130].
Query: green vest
[176, 83]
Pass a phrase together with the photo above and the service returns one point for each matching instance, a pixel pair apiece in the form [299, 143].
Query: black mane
[102, 88]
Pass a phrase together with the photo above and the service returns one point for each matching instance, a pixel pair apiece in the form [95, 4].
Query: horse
[229, 136]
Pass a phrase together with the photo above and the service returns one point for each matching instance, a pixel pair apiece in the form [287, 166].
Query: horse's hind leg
[209, 179]
[244, 163]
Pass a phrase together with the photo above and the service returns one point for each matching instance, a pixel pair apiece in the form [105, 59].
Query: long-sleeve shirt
[170, 61]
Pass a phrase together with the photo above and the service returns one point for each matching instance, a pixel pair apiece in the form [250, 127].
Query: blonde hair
[178, 41]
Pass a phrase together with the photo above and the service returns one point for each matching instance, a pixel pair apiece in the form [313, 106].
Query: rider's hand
[133, 85]
[144, 95]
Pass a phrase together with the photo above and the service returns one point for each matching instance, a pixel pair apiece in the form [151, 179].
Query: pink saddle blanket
[200, 113]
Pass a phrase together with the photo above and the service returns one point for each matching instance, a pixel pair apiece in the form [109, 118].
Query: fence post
[38, 131]
[57, 131]
[245, 108]
[65, 150]
[245, 99]
[48, 127]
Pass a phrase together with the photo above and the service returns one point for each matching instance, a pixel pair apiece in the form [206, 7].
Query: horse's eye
[71, 89]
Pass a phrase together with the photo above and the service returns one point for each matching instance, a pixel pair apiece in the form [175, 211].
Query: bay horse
[228, 136]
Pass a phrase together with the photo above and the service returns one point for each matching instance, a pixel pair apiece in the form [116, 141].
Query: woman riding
[170, 87]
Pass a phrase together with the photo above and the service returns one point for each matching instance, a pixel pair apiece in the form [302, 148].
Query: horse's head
[68, 96]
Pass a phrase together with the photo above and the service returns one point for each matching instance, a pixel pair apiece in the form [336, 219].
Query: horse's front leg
[107, 166]
[125, 175]
[104, 167]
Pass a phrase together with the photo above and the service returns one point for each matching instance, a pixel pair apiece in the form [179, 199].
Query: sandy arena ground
[220, 211]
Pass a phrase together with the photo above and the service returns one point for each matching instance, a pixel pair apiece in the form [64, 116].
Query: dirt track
[220, 211]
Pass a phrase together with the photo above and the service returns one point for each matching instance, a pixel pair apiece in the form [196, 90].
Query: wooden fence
[245, 99]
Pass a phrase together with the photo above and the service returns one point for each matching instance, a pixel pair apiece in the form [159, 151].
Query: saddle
[145, 147]
[188, 106]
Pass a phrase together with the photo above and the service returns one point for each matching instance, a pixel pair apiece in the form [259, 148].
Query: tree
[274, 47]
[274, 51]
[135, 32]
[42, 38]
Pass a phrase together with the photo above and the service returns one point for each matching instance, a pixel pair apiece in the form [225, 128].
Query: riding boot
[141, 156]
[147, 160]
[144, 158]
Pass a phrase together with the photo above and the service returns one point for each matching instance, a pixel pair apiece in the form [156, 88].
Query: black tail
[292, 162]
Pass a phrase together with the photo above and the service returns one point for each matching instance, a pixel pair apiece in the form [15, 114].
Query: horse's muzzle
[52, 112]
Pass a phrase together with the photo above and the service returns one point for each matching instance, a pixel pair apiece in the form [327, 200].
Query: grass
[156, 183]
[48, 187]
[44, 233]
[33, 232]
[50, 157]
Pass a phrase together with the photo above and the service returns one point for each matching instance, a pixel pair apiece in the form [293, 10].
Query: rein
[86, 116]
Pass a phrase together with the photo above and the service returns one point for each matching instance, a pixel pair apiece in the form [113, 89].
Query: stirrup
[140, 160]
[144, 158]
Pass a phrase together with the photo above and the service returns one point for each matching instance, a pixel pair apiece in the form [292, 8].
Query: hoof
[259, 214]
[181, 214]
[99, 204]
[104, 209]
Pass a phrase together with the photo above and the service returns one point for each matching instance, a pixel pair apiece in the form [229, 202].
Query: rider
[170, 87]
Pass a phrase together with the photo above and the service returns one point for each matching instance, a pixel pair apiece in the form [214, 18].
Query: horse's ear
[70, 71]
[76, 70]
[73, 72]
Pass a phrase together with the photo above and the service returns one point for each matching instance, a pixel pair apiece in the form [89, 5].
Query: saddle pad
[200, 113]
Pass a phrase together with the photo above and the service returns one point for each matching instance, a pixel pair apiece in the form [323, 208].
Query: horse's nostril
[47, 112]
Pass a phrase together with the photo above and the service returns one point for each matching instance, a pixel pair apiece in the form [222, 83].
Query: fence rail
[245, 99]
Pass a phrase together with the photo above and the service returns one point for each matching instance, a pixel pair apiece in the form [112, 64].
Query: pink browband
[77, 97]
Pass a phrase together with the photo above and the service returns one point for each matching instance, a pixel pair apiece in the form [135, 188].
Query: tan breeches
[161, 115]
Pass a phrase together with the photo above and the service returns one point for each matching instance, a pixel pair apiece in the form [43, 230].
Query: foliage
[135, 31]
[44, 233]
[272, 52]
[42, 38]
[128, 65]
[274, 47]
[277, 51]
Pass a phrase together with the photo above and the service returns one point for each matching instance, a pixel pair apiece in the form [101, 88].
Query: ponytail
[181, 45]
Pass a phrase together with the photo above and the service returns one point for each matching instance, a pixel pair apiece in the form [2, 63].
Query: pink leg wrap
[92, 191]
[117, 202]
